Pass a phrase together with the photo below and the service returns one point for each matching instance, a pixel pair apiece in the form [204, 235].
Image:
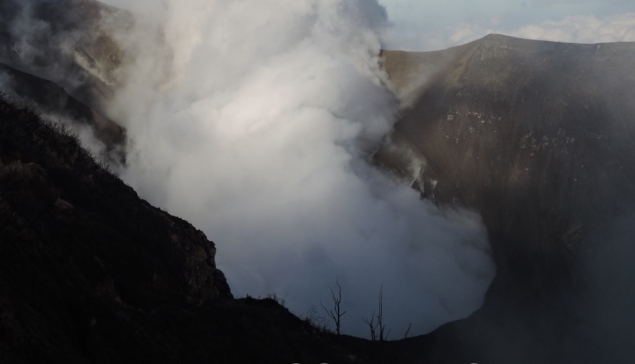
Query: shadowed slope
[52, 100]
[78, 244]
[537, 137]
[68, 42]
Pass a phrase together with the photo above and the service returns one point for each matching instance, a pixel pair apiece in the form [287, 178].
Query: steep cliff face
[537, 137]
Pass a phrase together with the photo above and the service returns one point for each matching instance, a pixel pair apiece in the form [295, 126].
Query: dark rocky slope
[538, 137]
[90, 273]
[62, 57]
[55, 102]
[68, 42]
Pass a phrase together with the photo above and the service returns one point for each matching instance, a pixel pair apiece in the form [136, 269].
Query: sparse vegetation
[279, 300]
[405, 336]
[335, 313]
[316, 321]
[371, 326]
[378, 328]
[22, 123]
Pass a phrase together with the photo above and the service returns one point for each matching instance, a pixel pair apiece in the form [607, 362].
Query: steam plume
[255, 120]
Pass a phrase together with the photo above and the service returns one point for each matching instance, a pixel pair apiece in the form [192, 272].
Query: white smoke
[85, 134]
[255, 120]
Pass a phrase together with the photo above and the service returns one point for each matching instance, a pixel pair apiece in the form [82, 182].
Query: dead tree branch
[336, 312]
[407, 331]
[372, 326]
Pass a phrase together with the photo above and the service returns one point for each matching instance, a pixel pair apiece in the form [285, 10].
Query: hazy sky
[428, 24]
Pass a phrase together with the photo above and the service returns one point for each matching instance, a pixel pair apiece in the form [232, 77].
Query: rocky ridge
[537, 137]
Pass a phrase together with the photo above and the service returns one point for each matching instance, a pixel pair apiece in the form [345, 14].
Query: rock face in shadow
[75, 240]
[68, 42]
[63, 58]
[537, 137]
[55, 102]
